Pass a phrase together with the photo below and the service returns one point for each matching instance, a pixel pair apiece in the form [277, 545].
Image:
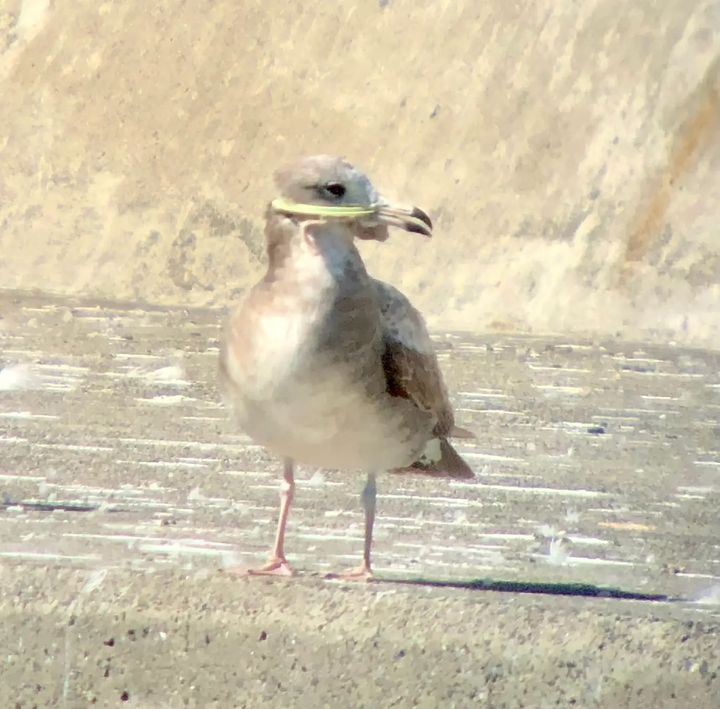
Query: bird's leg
[368, 497]
[277, 565]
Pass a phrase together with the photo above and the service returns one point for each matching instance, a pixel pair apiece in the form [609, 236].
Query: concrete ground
[582, 568]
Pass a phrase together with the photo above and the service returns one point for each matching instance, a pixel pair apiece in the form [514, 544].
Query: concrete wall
[569, 152]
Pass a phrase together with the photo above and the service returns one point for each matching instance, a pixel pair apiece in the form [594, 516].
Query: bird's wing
[409, 360]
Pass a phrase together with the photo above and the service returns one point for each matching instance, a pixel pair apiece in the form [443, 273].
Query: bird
[326, 366]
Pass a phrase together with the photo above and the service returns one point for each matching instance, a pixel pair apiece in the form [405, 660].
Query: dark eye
[335, 189]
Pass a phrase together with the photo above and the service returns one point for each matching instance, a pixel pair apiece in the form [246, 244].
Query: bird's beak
[372, 221]
[410, 219]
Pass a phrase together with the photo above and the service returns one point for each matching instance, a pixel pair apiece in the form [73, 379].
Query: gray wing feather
[409, 360]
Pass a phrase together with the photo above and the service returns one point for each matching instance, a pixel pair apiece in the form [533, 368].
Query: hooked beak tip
[417, 229]
[418, 213]
[412, 219]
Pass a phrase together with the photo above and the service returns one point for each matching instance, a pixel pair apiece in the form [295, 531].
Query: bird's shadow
[581, 590]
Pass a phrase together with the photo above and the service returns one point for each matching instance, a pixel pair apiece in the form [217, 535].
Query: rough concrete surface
[173, 639]
[582, 568]
[568, 152]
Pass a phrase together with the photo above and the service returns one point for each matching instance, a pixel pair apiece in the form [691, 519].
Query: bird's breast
[295, 330]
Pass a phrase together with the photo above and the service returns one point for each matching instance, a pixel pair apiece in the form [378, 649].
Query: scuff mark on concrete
[699, 130]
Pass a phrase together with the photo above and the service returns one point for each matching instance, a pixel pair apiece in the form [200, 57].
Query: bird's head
[327, 187]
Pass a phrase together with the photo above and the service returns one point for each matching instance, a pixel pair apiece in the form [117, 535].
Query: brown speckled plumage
[327, 366]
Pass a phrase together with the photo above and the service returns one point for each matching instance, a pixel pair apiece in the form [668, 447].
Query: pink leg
[364, 571]
[277, 565]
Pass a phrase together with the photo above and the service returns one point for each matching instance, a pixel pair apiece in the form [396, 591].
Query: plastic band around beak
[317, 210]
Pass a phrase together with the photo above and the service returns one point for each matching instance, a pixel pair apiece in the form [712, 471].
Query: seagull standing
[325, 365]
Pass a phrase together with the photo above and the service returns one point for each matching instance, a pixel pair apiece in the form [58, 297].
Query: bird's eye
[335, 189]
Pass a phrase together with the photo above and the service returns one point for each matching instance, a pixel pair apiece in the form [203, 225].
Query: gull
[326, 366]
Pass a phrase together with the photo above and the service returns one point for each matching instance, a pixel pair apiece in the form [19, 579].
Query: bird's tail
[440, 459]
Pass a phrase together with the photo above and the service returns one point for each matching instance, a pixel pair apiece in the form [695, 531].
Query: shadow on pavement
[554, 589]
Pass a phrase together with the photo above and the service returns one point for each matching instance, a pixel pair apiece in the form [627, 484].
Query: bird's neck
[310, 249]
